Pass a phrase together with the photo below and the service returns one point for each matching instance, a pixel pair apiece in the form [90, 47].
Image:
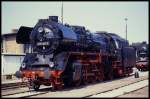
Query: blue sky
[95, 16]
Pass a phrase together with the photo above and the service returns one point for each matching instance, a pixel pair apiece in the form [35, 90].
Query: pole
[62, 13]
[126, 27]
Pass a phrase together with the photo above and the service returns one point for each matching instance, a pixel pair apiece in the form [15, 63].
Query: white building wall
[11, 63]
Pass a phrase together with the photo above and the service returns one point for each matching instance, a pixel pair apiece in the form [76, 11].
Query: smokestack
[53, 18]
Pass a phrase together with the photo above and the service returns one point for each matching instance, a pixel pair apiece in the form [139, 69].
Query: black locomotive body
[64, 55]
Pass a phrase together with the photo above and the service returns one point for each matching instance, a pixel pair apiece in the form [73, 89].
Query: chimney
[53, 18]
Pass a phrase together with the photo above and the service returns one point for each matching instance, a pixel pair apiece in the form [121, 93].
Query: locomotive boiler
[66, 55]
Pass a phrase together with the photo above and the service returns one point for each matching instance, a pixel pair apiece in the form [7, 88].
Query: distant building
[10, 46]
[12, 53]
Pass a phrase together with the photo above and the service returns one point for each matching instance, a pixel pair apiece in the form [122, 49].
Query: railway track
[81, 91]
[92, 89]
[20, 88]
[44, 91]
[26, 93]
[13, 85]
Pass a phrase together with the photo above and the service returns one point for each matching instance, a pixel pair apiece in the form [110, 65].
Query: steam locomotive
[142, 52]
[65, 55]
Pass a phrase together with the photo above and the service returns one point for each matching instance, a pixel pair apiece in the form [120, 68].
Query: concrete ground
[141, 93]
[123, 90]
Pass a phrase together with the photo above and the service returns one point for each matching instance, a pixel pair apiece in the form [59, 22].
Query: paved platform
[123, 90]
[141, 93]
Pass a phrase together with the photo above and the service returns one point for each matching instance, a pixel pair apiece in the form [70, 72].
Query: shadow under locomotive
[65, 55]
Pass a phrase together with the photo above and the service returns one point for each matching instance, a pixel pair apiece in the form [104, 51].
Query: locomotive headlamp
[23, 65]
[51, 64]
[40, 29]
